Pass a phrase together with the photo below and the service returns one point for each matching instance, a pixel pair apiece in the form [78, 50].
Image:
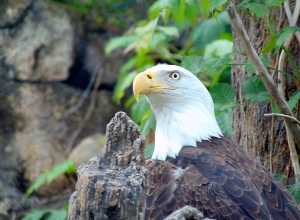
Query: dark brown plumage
[220, 179]
[197, 165]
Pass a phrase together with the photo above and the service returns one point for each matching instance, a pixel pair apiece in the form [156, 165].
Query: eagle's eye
[175, 75]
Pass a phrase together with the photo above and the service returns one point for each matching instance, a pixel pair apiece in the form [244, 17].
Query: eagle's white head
[183, 108]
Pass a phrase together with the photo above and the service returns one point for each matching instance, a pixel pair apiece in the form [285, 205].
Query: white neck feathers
[183, 126]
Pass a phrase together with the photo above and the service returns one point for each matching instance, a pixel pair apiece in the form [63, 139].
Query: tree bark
[263, 137]
[186, 213]
[112, 185]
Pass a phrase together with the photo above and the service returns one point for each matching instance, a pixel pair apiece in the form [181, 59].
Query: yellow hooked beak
[145, 83]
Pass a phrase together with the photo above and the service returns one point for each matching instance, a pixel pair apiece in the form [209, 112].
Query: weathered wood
[112, 185]
[186, 213]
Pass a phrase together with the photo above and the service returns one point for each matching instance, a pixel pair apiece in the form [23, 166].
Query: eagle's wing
[171, 188]
[221, 180]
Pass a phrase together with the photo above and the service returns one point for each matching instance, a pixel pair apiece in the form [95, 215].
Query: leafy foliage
[36, 214]
[206, 56]
[265, 61]
[111, 12]
[222, 95]
[140, 110]
[193, 63]
[292, 103]
[259, 9]
[50, 175]
[147, 124]
[280, 177]
[277, 40]
[149, 151]
[294, 189]
[47, 214]
[209, 30]
[254, 89]
[206, 52]
[225, 122]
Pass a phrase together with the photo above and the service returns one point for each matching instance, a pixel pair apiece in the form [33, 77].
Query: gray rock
[87, 148]
[36, 41]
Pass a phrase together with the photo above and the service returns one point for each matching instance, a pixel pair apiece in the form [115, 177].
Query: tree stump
[186, 213]
[113, 184]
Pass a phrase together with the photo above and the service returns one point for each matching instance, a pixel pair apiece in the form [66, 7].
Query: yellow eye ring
[175, 75]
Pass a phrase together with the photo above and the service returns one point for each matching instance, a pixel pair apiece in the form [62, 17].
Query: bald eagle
[195, 164]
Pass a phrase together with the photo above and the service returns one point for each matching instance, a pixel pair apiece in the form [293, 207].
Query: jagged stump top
[113, 184]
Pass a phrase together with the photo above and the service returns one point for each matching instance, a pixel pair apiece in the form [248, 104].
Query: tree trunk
[112, 185]
[265, 138]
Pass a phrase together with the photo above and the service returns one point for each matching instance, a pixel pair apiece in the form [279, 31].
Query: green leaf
[154, 24]
[180, 13]
[157, 7]
[174, 5]
[140, 110]
[292, 103]
[205, 6]
[205, 32]
[284, 34]
[149, 151]
[37, 214]
[209, 30]
[294, 99]
[215, 75]
[157, 39]
[192, 63]
[124, 81]
[165, 13]
[191, 10]
[259, 10]
[220, 62]
[294, 189]
[223, 94]
[264, 59]
[147, 124]
[128, 65]
[279, 177]
[60, 214]
[272, 3]
[270, 45]
[65, 167]
[144, 28]
[129, 101]
[254, 89]
[224, 120]
[228, 106]
[219, 48]
[49, 175]
[37, 184]
[217, 68]
[215, 4]
[169, 31]
[275, 108]
[117, 42]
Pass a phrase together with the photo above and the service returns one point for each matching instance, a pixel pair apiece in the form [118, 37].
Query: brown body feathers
[221, 180]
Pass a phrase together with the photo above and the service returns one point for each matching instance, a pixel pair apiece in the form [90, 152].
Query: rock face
[37, 41]
[44, 48]
[113, 184]
[87, 148]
